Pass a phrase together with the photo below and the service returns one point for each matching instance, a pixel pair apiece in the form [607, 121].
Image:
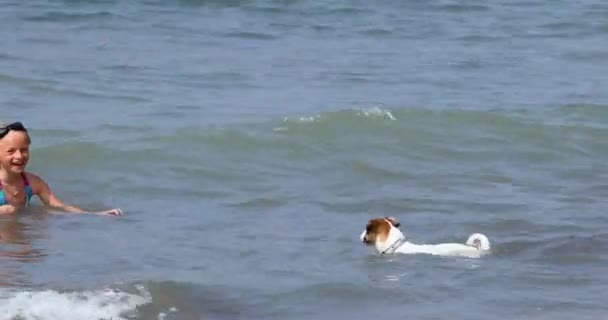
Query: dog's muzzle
[364, 238]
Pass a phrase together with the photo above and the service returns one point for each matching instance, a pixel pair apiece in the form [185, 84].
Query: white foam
[296, 120]
[163, 315]
[303, 119]
[377, 112]
[374, 112]
[53, 305]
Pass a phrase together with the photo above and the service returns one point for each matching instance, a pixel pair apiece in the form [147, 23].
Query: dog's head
[379, 231]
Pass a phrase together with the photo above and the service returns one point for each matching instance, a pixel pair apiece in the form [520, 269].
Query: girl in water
[17, 186]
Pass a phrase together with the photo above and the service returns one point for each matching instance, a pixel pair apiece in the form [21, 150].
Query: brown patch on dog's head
[377, 230]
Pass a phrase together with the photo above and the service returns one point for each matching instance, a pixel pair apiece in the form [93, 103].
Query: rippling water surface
[249, 141]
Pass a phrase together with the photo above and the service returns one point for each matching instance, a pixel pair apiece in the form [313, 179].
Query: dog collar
[394, 246]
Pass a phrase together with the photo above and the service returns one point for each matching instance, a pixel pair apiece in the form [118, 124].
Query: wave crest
[53, 305]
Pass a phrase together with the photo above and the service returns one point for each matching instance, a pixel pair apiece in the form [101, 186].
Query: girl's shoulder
[30, 176]
[34, 180]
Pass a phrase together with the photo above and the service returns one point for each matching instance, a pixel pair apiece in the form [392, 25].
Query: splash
[338, 117]
[377, 112]
[53, 305]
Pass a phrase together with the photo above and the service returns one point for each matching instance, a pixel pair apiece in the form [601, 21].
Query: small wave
[250, 35]
[337, 116]
[336, 291]
[350, 10]
[45, 41]
[214, 3]
[548, 135]
[377, 112]
[89, 2]
[377, 32]
[260, 203]
[388, 136]
[53, 305]
[56, 16]
[463, 8]
[574, 249]
[599, 56]
[17, 80]
[76, 150]
[268, 8]
[4, 56]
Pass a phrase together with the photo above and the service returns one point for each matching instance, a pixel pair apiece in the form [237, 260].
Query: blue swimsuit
[28, 192]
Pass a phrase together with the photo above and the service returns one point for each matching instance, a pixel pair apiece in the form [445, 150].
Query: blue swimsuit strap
[28, 191]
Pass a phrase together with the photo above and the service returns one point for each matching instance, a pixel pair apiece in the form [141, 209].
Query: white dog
[384, 234]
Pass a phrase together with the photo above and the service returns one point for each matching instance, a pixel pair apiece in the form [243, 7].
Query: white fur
[476, 245]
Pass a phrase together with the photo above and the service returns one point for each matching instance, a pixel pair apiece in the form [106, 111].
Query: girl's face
[14, 151]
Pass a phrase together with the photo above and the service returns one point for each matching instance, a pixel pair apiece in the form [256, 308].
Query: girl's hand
[8, 209]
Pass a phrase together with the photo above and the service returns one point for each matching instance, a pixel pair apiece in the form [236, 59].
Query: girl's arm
[42, 189]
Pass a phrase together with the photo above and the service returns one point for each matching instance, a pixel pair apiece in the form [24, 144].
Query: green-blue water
[249, 142]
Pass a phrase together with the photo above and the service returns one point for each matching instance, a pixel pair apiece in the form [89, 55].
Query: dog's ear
[393, 221]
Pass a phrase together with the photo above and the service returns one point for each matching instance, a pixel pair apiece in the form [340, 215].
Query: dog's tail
[479, 241]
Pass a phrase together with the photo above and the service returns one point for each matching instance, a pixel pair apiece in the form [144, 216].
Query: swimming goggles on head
[15, 126]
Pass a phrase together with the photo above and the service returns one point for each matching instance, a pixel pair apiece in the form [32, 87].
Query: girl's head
[14, 147]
